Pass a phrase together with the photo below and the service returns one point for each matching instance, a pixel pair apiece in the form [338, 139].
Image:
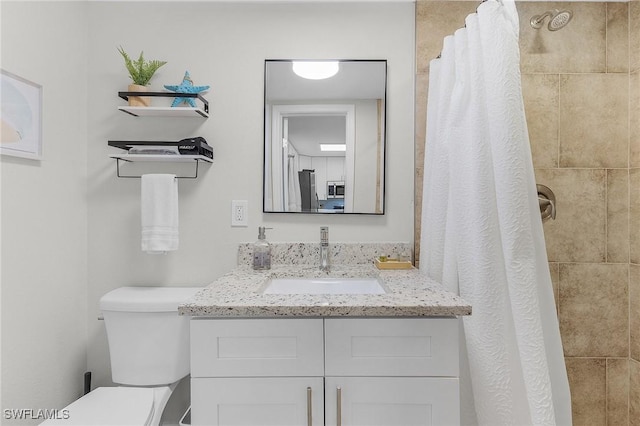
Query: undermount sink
[324, 286]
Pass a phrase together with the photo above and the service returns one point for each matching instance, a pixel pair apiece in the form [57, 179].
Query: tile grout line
[629, 313]
[606, 216]
[559, 109]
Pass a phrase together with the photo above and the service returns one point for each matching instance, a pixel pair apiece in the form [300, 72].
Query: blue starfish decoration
[185, 87]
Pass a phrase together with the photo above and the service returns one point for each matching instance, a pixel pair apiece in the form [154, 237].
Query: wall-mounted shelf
[200, 111]
[158, 158]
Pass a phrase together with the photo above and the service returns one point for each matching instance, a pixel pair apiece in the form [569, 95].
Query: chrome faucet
[324, 248]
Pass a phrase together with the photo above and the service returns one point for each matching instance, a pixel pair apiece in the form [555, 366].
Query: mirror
[324, 138]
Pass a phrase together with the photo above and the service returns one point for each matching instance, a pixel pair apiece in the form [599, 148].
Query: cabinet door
[265, 401]
[335, 168]
[391, 401]
[391, 347]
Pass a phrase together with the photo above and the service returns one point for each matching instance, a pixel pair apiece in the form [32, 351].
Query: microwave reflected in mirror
[335, 189]
[324, 139]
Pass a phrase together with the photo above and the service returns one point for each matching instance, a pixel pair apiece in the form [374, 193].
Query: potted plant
[140, 71]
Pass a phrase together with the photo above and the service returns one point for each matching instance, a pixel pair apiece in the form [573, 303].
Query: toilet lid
[114, 406]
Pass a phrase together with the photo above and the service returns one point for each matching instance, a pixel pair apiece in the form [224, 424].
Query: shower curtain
[481, 229]
[294, 198]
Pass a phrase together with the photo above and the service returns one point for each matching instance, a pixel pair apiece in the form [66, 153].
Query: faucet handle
[324, 235]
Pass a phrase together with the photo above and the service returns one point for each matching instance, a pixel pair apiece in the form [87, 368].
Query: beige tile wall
[581, 88]
[587, 377]
[617, 391]
[634, 393]
[634, 211]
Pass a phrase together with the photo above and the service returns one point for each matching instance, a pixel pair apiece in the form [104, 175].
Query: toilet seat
[114, 406]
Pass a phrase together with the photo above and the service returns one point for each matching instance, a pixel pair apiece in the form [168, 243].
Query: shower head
[559, 19]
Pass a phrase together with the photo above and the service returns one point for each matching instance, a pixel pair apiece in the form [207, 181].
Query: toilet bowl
[149, 351]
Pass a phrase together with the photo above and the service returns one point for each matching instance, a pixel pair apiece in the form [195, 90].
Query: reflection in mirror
[325, 137]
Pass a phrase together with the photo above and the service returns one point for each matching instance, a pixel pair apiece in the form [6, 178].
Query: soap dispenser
[261, 251]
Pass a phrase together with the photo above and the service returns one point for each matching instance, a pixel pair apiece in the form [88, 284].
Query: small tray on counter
[392, 264]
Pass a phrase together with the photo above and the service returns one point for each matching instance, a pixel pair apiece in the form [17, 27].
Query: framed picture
[20, 117]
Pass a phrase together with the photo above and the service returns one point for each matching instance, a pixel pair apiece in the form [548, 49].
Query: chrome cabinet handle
[339, 405]
[309, 410]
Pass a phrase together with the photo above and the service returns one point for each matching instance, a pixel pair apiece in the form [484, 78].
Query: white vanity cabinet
[333, 371]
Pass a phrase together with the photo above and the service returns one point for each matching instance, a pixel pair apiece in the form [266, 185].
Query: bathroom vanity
[324, 359]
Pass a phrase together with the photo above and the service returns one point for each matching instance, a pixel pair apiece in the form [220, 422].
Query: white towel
[159, 206]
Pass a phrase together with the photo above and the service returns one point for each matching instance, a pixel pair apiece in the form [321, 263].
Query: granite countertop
[238, 294]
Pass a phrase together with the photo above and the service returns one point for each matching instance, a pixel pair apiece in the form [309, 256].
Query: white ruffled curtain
[481, 228]
[294, 197]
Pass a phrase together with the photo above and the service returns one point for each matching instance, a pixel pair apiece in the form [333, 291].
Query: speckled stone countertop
[239, 294]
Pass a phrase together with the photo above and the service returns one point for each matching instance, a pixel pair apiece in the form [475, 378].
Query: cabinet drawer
[391, 347]
[256, 348]
[264, 401]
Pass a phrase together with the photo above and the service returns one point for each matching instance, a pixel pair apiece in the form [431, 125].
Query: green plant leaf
[140, 71]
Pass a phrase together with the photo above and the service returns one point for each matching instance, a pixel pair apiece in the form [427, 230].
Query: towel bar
[131, 158]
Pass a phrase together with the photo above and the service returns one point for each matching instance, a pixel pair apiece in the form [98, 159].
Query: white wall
[225, 45]
[44, 213]
[70, 228]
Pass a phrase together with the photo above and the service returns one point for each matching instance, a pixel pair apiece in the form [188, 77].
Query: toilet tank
[148, 340]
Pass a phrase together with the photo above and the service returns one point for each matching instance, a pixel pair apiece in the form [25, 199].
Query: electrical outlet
[239, 213]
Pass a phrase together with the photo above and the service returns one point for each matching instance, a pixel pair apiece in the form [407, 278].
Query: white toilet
[149, 349]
